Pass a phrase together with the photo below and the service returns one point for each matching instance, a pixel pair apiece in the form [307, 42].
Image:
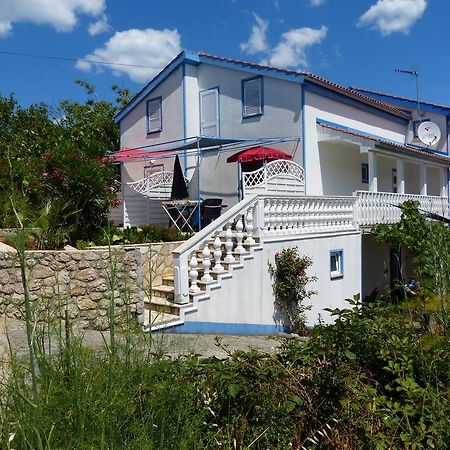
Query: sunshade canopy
[259, 153]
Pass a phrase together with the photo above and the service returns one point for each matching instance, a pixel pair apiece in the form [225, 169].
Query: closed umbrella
[179, 189]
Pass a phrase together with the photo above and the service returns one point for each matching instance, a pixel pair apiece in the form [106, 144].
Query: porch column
[423, 179]
[400, 176]
[443, 181]
[373, 177]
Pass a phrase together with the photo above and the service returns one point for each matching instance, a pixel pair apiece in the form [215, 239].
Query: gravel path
[169, 343]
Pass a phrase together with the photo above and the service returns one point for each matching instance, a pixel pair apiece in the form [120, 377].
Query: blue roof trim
[325, 92]
[407, 103]
[254, 69]
[183, 57]
[354, 130]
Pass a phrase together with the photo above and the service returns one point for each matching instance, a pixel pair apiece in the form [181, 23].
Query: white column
[373, 177]
[423, 179]
[443, 181]
[400, 176]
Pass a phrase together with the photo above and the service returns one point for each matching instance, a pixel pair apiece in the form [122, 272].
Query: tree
[57, 157]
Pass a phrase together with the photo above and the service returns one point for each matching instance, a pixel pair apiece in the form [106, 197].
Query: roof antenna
[416, 74]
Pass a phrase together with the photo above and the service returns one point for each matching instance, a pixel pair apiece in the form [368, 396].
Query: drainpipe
[303, 134]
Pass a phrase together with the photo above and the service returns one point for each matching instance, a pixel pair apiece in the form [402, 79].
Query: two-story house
[355, 157]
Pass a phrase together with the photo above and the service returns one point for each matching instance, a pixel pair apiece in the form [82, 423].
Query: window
[394, 180]
[336, 263]
[252, 97]
[154, 115]
[364, 173]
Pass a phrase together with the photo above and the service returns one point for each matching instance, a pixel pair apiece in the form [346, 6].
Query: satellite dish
[429, 133]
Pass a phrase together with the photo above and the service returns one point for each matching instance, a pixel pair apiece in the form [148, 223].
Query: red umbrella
[259, 153]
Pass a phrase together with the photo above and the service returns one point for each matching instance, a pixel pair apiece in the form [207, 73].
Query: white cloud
[291, 50]
[149, 47]
[59, 14]
[391, 16]
[5, 28]
[316, 2]
[257, 40]
[98, 27]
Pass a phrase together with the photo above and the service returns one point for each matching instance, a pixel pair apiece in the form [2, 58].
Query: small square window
[252, 97]
[336, 263]
[154, 115]
[365, 173]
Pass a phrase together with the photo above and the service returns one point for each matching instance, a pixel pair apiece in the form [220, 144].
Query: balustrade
[384, 207]
[257, 216]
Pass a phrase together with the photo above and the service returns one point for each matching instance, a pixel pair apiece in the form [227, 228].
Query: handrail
[206, 232]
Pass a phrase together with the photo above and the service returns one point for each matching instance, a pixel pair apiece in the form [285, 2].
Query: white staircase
[205, 262]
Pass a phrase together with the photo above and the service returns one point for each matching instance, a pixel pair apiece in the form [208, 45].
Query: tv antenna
[416, 75]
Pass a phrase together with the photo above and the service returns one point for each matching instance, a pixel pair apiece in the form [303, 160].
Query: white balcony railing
[372, 208]
[257, 216]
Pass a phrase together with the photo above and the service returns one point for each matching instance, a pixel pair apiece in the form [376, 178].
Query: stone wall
[80, 281]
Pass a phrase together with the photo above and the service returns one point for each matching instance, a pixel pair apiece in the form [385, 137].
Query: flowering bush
[289, 287]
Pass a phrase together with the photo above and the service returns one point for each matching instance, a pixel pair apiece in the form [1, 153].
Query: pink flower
[277, 255]
[45, 174]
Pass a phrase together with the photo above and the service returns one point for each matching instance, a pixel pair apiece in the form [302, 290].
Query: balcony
[372, 208]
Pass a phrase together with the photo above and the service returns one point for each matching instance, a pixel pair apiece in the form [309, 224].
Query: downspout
[198, 186]
[183, 88]
[303, 133]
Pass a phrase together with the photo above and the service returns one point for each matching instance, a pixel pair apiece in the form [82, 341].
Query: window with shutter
[252, 97]
[209, 112]
[154, 115]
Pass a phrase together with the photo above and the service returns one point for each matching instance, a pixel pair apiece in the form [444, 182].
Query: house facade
[355, 157]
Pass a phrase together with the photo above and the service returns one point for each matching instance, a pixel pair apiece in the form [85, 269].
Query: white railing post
[181, 277]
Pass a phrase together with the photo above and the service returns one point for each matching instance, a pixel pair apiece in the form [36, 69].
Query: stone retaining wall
[81, 282]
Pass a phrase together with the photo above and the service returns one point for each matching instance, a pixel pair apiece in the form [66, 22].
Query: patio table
[181, 212]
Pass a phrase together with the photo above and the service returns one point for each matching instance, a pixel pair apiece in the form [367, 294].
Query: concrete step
[168, 281]
[163, 291]
[162, 305]
[156, 320]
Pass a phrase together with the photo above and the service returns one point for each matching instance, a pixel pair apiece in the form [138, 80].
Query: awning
[259, 153]
[134, 154]
[170, 148]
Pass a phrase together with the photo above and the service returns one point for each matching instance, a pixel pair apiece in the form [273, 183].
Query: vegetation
[289, 287]
[52, 166]
[137, 235]
[378, 378]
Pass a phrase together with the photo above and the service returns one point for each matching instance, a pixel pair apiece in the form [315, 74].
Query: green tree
[56, 156]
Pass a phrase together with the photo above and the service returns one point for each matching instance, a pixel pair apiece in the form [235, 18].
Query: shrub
[289, 287]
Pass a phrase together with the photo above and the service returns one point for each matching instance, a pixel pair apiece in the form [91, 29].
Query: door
[209, 112]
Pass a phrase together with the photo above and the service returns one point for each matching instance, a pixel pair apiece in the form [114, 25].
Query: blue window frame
[337, 263]
[154, 115]
[252, 97]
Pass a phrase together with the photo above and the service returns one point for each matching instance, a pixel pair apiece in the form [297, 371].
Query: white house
[355, 156]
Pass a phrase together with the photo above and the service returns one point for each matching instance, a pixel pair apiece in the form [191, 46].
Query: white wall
[247, 298]
[340, 166]
[282, 104]
[318, 107]
[133, 127]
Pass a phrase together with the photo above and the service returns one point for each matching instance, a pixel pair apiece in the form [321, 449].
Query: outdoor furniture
[181, 212]
[211, 209]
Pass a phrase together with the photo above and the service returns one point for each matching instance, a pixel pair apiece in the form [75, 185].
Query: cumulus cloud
[61, 15]
[392, 16]
[257, 40]
[5, 28]
[100, 26]
[316, 2]
[291, 50]
[151, 48]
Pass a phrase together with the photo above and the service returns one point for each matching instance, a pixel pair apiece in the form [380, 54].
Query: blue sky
[351, 42]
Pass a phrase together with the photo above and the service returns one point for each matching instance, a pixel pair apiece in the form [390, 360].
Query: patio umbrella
[259, 153]
[179, 189]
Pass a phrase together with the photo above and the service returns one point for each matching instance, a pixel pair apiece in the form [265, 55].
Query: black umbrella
[179, 189]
